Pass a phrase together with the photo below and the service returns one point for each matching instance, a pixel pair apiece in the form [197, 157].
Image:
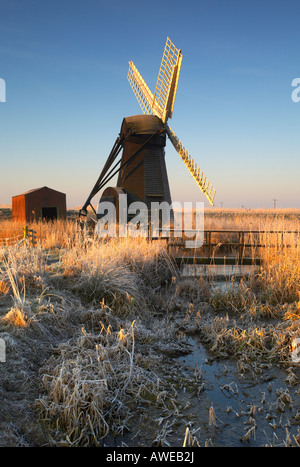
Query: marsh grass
[254, 219]
[91, 394]
[49, 234]
[75, 293]
[120, 268]
[10, 232]
[103, 314]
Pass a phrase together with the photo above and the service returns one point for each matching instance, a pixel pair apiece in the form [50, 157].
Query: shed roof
[38, 189]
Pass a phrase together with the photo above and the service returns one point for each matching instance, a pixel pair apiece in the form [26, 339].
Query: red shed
[39, 204]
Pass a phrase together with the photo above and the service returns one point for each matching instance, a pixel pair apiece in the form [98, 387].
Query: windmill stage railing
[230, 247]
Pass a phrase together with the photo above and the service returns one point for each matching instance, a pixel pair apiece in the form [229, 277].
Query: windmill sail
[142, 92]
[161, 104]
[167, 81]
[201, 180]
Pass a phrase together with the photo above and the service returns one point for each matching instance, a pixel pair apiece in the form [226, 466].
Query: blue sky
[65, 66]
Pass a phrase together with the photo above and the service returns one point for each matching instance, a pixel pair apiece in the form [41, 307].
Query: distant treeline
[5, 213]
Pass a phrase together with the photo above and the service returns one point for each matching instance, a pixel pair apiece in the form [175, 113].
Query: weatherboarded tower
[144, 175]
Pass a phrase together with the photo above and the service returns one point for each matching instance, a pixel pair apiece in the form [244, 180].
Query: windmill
[141, 169]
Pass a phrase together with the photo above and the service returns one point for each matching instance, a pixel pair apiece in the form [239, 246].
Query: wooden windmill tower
[141, 169]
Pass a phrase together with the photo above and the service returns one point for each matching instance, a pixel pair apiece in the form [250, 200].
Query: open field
[108, 344]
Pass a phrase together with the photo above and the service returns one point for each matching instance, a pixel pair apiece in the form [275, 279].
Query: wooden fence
[10, 237]
[230, 247]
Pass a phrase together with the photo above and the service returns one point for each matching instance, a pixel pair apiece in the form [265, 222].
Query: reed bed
[252, 219]
[49, 234]
[101, 320]
[61, 294]
[10, 233]
[92, 384]
[256, 319]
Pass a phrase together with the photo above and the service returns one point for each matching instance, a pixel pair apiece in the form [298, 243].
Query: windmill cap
[142, 124]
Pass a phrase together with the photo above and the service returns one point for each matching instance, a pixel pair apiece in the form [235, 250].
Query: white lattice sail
[161, 104]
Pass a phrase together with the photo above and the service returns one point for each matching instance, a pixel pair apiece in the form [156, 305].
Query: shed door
[49, 214]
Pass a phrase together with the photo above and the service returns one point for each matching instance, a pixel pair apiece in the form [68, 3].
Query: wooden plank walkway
[218, 261]
[242, 249]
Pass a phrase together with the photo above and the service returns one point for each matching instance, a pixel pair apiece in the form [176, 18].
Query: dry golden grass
[4, 287]
[10, 232]
[49, 234]
[255, 219]
[104, 313]
[16, 317]
[66, 282]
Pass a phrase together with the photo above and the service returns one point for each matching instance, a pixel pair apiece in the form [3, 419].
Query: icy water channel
[248, 406]
[254, 404]
[257, 407]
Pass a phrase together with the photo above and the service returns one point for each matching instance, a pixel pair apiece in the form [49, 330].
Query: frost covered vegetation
[96, 331]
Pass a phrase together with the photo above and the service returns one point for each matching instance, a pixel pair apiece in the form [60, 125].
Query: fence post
[30, 234]
[33, 237]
